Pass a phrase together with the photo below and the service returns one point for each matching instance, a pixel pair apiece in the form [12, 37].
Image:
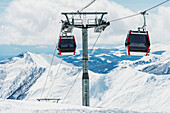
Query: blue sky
[20, 24]
[139, 4]
[4, 4]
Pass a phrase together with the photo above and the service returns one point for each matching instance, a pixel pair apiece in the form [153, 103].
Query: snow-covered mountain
[133, 83]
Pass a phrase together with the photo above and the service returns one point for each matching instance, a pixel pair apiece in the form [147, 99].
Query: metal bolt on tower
[99, 25]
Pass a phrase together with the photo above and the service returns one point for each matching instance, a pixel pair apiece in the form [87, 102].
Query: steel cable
[140, 12]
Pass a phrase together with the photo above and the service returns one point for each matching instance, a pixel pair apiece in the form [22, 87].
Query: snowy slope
[15, 106]
[133, 83]
[19, 73]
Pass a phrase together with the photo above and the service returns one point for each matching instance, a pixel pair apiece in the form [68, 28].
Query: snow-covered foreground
[132, 83]
[18, 106]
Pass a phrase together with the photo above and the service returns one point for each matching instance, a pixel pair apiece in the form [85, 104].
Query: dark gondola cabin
[137, 41]
[67, 44]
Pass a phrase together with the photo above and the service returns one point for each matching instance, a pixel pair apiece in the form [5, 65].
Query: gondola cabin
[67, 44]
[137, 42]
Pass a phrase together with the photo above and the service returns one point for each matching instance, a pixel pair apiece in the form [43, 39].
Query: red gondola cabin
[67, 44]
[137, 41]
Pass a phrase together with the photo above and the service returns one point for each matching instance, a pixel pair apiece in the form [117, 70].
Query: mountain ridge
[130, 85]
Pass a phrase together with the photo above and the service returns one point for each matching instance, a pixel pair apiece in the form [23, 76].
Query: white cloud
[40, 47]
[159, 25]
[36, 22]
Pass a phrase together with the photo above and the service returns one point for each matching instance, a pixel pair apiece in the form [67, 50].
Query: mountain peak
[26, 57]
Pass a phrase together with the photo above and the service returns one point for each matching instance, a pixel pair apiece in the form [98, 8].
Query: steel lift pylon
[84, 22]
